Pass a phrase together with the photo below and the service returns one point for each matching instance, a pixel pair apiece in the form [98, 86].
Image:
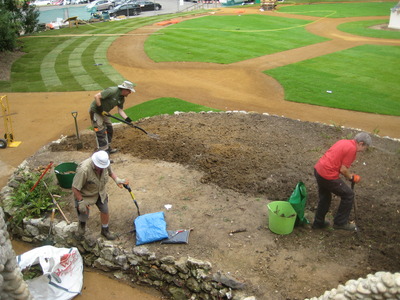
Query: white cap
[100, 159]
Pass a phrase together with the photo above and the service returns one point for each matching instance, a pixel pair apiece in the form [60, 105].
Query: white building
[394, 22]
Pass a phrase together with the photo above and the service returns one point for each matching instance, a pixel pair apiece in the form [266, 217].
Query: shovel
[137, 206]
[151, 135]
[355, 208]
[79, 145]
[133, 196]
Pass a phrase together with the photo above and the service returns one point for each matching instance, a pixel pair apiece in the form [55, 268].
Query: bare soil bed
[219, 171]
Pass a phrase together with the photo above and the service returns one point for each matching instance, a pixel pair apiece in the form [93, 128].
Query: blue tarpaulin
[150, 228]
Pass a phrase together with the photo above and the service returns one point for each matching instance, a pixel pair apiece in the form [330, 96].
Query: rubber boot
[79, 235]
[105, 231]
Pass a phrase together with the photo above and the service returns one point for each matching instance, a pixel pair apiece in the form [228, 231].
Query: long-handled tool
[35, 185]
[37, 182]
[56, 204]
[79, 145]
[41, 176]
[355, 208]
[49, 240]
[151, 135]
[133, 197]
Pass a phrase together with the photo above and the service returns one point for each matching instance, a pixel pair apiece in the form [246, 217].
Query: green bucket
[65, 173]
[281, 217]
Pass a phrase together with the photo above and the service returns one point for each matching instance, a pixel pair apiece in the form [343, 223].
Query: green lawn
[363, 78]
[228, 39]
[362, 28]
[341, 10]
[161, 106]
[56, 63]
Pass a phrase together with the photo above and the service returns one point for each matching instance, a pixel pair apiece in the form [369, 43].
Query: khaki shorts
[102, 206]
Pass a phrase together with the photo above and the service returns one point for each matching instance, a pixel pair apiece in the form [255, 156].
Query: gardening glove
[83, 207]
[104, 113]
[355, 178]
[100, 109]
[128, 120]
[120, 182]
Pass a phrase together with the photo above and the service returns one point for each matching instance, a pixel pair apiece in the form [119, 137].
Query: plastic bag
[298, 200]
[150, 228]
[62, 269]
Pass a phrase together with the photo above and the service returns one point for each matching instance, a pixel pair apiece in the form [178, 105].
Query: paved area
[51, 13]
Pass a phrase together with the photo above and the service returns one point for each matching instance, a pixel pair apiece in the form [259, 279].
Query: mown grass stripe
[76, 66]
[48, 65]
[100, 57]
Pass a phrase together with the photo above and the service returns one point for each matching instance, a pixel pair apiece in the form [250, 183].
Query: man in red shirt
[337, 160]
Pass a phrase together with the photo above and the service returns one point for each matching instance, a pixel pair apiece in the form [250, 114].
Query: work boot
[105, 231]
[111, 150]
[317, 225]
[348, 227]
[79, 234]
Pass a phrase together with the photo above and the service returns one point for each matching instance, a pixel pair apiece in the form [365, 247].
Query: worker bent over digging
[89, 188]
[337, 160]
[103, 103]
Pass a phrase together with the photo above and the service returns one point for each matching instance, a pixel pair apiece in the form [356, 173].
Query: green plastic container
[65, 173]
[281, 217]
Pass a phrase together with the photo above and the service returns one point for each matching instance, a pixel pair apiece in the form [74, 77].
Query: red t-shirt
[341, 153]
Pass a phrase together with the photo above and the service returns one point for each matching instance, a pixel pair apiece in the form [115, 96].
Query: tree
[8, 34]
[29, 17]
[16, 17]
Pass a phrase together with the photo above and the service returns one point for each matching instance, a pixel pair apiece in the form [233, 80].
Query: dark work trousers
[103, 129]
[325, 190]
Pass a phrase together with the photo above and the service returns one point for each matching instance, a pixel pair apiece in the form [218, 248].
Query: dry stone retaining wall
[12, 285]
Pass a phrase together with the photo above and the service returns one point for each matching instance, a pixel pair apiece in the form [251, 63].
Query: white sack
[62, 268]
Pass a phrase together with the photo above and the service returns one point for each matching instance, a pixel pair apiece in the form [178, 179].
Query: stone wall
[381, 285]
[12, 285]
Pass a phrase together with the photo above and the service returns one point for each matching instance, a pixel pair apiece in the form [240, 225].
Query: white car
[41, 2]
[100, 5]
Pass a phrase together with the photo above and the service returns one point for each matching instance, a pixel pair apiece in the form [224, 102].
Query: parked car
[74, 2]
[41, 2]
[148, 5]
[119, 2]
[99, 5]
[127, 9]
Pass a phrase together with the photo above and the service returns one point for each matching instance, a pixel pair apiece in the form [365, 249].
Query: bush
[16, 18]
[33, 204]
[29, 18]
[8, 34]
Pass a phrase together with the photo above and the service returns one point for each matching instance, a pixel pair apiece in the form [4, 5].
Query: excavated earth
[219, 171]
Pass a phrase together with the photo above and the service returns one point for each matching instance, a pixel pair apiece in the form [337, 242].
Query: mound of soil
[219, 171]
